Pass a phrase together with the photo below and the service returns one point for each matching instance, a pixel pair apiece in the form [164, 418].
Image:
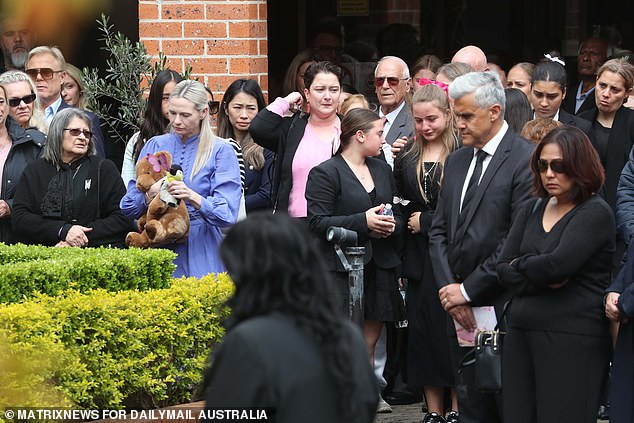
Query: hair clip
[399, 200]
[555, 59]
[424, 81]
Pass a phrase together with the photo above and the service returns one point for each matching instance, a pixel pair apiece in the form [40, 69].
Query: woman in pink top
[303, 140]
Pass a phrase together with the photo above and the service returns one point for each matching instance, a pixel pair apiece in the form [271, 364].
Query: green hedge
[111, 350]
[30, 269]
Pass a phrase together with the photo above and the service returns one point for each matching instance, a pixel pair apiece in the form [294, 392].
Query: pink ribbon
[424, 81]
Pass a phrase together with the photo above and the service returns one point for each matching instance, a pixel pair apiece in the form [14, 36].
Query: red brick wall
[221, 40]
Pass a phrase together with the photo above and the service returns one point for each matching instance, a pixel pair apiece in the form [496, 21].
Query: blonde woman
[211, 187]
[418, 172]
[73, 88]
[23, 100]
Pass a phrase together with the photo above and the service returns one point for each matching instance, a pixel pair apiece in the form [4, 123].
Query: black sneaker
[434, 418]
[452, 417]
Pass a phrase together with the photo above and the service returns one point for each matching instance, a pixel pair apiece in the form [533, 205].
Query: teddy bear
[166, 220]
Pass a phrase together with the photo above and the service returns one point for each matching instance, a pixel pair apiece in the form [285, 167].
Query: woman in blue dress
[211, 186]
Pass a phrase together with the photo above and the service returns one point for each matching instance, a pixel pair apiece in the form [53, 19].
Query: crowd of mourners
[511, 198]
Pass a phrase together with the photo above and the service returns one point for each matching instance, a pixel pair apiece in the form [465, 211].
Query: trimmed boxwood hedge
[105, 350]
[30, 269]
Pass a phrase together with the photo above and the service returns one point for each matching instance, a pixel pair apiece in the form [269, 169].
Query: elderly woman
[211, 186]
[70, 197]
[557, 258]
[18, 148]
[23, 100]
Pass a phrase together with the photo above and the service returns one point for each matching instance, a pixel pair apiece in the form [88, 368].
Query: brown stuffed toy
[166, 220]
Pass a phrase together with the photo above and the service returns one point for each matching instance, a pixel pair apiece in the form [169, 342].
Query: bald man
[473, 56]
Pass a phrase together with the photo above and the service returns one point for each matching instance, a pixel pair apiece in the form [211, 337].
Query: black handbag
[486, 357]
[488, 361]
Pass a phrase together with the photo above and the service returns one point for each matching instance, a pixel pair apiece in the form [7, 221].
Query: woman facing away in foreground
[286, 348]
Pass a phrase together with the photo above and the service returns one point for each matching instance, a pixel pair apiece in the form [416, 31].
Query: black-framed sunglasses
[214, 106]
[556, 165]
[47, 73]
[76, 131]
[27, 99]
[391, 80]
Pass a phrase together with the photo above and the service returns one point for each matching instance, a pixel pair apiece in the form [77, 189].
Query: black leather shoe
[433, 418]
[403, 398]
[452, 417]
[604, 412]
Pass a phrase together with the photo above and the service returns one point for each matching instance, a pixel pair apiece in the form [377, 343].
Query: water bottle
[387, 210]
[402, 323]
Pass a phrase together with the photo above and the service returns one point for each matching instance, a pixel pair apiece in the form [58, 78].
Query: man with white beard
[16, 39]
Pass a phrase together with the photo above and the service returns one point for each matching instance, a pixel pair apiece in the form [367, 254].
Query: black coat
[570, 102]
[576, 121]
[620, 144]
[282, 136]
[335, 197]
[504, 187]
[26, 147]
[97, 189]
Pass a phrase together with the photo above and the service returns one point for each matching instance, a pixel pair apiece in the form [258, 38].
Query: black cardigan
[96, 195]
[578, 249]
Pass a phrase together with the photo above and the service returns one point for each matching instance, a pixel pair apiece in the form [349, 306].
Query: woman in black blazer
[351, 190]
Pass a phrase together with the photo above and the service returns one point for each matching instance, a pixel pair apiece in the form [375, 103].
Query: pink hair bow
[424, 81]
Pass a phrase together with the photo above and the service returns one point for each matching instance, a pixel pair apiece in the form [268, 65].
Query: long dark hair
[153, 122]
[253, 154]
[518, 109]
[276, 268]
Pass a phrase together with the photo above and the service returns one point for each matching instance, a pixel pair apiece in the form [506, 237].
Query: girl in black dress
[418, 172]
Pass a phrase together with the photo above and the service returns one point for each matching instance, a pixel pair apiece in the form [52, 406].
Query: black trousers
[473, 406]
[552, 377]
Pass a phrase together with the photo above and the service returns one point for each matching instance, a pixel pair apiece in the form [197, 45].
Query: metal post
[355, 282]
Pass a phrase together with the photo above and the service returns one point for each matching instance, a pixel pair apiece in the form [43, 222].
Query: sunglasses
[46, 73]
[556, 166]
[213, 107]
[15, 102]
[76, 131]
[391, 80]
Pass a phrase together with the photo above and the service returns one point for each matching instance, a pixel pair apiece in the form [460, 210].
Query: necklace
[426, 175]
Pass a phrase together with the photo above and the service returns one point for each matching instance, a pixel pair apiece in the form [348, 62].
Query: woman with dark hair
[302, 141]
[557, 259]
[418, 173]
[70, 196]
[351, 190]
[285, 347]
[240, 103]
[548, 90]
[155, 120]
[518, 109]
[425, 66]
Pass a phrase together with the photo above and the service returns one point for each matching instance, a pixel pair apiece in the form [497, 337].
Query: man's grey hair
[486, 86]
[395, 59]
[53, 51]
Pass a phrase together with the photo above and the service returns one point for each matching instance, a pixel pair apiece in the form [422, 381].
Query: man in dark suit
[484, 185]
[593, 52]
[392, 82]
[45, 66]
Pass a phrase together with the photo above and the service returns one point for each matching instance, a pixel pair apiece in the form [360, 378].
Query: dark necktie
[474, 181]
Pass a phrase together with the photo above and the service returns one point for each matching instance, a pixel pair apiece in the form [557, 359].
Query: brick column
[221, 40]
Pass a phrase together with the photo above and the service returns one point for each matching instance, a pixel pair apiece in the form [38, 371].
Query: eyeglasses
[391, 80]
[15, 102]
[46, 73]
[556, 166]
[214, 106]
[76, 131]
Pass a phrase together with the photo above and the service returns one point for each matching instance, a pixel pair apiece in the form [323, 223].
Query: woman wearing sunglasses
[302, 141]
[557, 259]
[70, 196]
[18, 148]
[24, 104]
[155, 120]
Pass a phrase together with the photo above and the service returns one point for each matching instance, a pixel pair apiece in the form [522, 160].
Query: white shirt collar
[392, 115]
[51, 110]
[491, 146]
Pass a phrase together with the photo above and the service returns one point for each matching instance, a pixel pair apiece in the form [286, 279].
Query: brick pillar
[221, 40]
